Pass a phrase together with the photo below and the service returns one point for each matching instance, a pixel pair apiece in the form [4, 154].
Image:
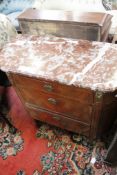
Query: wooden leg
[111, 156]
[115, 37]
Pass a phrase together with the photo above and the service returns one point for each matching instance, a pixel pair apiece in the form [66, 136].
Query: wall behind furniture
[80, 5]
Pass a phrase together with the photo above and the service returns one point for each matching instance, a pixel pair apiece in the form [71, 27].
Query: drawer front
[58, 120]
[80, 94]
[68, 107]
[60, 29]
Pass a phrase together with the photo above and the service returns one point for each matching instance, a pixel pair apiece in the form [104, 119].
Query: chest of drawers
[86, 25]
[67, 83]
[76, 109]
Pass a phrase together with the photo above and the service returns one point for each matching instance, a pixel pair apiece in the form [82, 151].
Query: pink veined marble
[73, 62]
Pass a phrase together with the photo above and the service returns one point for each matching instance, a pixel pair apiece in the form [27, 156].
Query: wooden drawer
[58, 120]
[68, 107]
[80, 94]
[76, 31]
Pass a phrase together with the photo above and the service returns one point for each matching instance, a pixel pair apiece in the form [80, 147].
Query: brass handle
[56, 117]
[98, 96]
[52, 101]
[48, 87]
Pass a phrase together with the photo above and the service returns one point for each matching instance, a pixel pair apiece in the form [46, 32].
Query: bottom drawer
[59, 120]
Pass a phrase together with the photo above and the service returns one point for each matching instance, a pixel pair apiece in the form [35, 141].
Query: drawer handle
[52, 101]
[56, 117]
[116, 96]
[48, 87]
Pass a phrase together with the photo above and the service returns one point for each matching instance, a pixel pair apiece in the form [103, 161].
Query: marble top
[81, 63]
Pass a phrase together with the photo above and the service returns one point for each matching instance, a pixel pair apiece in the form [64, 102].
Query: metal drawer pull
[48, 87]
[52, 101]
[56, 117]
[116, 96]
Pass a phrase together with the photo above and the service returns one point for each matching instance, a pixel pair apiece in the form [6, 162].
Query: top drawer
[80, 94]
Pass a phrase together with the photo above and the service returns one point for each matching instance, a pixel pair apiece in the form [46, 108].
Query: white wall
[80, 5]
